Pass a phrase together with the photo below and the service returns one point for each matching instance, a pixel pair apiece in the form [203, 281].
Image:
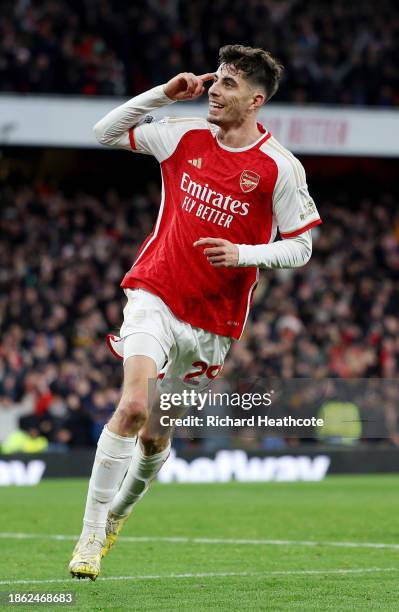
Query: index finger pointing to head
[207, 77]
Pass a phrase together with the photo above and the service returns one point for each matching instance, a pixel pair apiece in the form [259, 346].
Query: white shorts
[181, 351]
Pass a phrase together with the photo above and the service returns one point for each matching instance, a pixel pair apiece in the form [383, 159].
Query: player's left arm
[295, 213]
[130, 127]
[290, 253]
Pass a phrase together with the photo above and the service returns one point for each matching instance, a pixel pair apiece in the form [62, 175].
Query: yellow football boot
[86, 558]
[112, 530]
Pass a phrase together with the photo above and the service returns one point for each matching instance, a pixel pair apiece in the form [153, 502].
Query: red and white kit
[209, 190]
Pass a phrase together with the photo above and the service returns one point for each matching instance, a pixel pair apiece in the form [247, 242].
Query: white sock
[141, 471]
[112, 459]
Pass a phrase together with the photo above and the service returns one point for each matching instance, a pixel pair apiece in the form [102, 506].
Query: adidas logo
[196, 162]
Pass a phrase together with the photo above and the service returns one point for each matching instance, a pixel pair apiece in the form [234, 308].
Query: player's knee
[134, 410]
[153, 444]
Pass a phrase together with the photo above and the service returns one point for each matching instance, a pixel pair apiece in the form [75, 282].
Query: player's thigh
[196, 359]
[137, 396]
[139, 378]
[143, 358]
[204, 362]
[145, 313]
[146, 340]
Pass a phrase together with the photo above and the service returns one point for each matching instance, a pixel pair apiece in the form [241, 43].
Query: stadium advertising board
[220, 466]
[315, 130]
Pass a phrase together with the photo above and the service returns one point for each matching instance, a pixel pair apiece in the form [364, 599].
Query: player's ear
[258, 100]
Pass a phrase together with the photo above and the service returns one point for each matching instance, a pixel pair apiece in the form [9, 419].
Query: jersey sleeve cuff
[300, 230]
[132, 140]
[170, 100]
[243, 254]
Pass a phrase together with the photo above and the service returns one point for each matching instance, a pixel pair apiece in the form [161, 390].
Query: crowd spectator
[340, 53]
[61, 261]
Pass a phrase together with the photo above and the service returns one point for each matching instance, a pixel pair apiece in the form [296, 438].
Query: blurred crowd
[62, 258]
[339, 52]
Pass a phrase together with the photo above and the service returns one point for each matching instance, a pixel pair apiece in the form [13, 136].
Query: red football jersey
[209, 189]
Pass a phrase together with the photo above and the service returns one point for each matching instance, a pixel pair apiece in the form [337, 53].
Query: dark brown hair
[257, 65]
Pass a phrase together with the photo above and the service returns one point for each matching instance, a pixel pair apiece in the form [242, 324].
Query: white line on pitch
[344, 571]
[227, 541]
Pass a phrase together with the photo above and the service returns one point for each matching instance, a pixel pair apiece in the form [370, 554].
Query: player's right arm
[125, 128]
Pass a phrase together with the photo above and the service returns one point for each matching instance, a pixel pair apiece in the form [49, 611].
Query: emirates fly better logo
[249, 180]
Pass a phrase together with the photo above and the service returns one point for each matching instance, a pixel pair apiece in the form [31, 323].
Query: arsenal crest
[249, 180]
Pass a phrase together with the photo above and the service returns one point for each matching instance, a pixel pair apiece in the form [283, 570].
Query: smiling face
[232, 97]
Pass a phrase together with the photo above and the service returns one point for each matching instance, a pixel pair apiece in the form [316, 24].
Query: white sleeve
[130, 127]
[293, 208]
[116, 128]
[289, 253]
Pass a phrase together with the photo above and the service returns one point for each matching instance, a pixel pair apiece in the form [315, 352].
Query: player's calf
[142, 470]
[153, 444]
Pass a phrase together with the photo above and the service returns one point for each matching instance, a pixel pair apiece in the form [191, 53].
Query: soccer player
[227, 186]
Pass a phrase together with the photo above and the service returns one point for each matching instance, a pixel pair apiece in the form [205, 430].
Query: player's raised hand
[187, 86]
[219, 252]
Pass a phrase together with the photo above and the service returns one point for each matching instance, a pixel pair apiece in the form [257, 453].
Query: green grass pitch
[262, 546]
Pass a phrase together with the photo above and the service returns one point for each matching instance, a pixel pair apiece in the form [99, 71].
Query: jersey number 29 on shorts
[210, 371]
